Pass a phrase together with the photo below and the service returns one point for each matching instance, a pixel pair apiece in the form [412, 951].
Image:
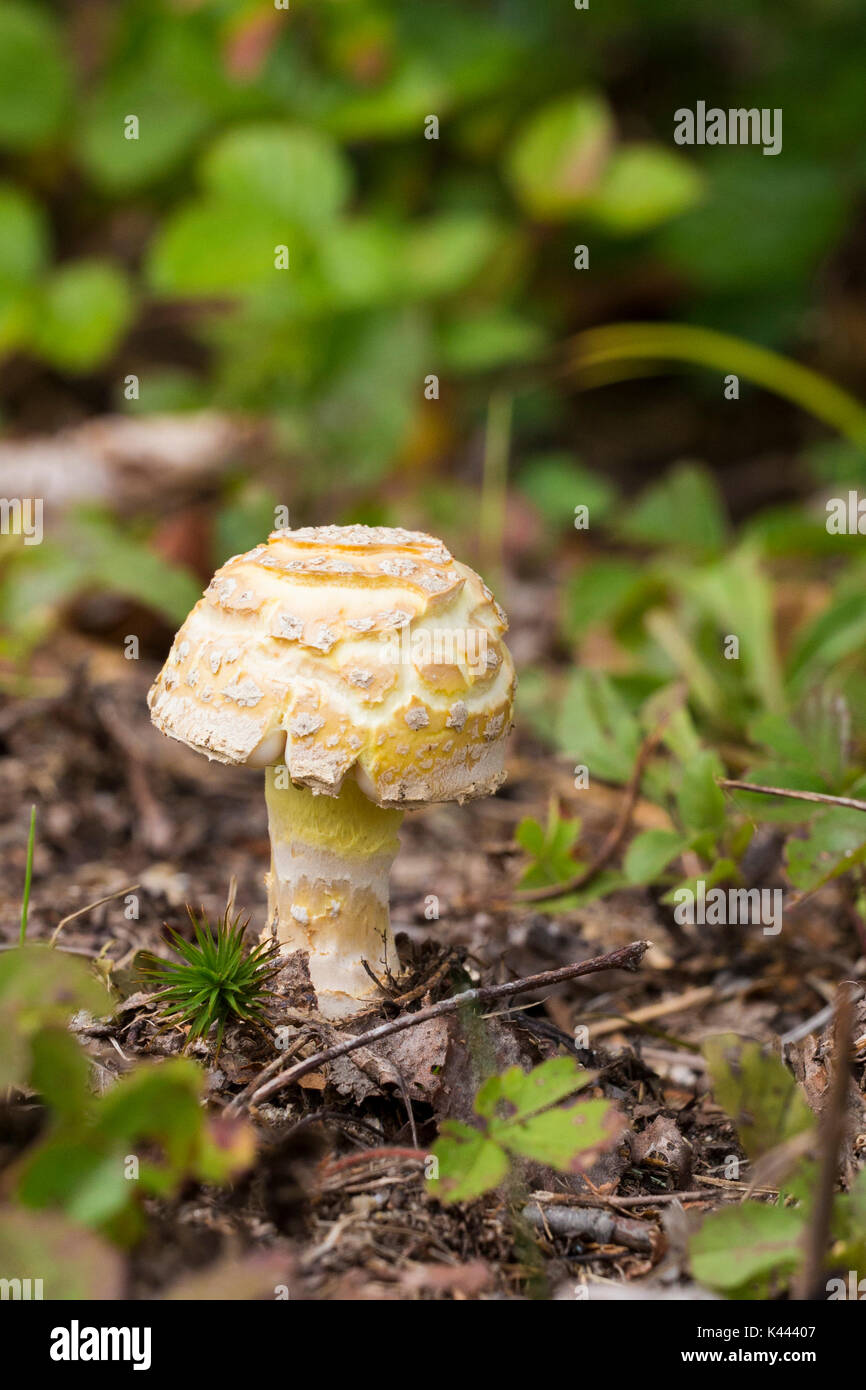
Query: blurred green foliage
[304, 128]
[98, 1155]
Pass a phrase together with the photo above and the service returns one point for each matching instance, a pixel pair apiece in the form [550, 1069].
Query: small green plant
[96, 1156]
[28, 876]
[754, 1249]
[218, 981]
[521, 1118]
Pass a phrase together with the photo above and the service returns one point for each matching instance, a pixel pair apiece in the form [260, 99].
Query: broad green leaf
[557, 160]
[700, 801]
[34, 79]
[76, 1172]
[124, 565]
[550, 847]
[684, 509]
[83, 310]
[171, 82]
[737, 595]
[530, 1091]
[758, 1093]
[298, 172]
[469, 1163]
[837, 632]
[442, 254]
[214, 246]
[569, 1139]
[743, 1243]
[358, 257]
[556, 484]
[60, 1071]
[644, 186]
[488, 338]
[836, 843]
[23, 238]
[781, 736]
[779, 226]
[650, 853]
[601, 592]
[40, 988]
[596, 727]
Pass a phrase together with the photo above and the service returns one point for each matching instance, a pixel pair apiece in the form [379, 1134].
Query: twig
[591, 1223]
[28, 876]
[821, 798]
[642, 1199]
[626, 958]
[617, 833]
[677, 1003]
[118, 893]
[832, 1132]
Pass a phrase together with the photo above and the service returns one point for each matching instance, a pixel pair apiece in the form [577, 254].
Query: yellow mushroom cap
[343, 648]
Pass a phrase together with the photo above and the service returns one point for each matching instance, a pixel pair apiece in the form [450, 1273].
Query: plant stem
[28, 876]
[821, 798]
[832, 1130]
[491, 521]
[650, 343]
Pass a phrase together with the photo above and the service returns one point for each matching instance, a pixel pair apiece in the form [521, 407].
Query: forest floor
[336, 1205]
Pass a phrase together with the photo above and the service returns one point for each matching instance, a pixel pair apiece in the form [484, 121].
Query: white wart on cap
[365, 668]
[339, 648]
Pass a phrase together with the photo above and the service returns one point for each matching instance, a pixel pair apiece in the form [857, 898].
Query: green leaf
[835, 844]
[650, 853]
[596, 727]
[23, 238]
[34, 79]
[569, 1139]
[469, 1163]
[600, 592]
[781, 736]
[557, 160]
[216, 246]
[124, 565]
[75, 1172]
[40, 988]
[550, 847]
[644, 186]
[444, 253]
[522, 1117]
[358, 257]
[300, 173]
[837, 632]
[60, 1071]
[172, 81]
[531, 1091]
[743, 1243]
[780, 227]
[480, 341]
[758, 1093]
[557, 483]
[684, 509]
[700, 801]
[83, 310]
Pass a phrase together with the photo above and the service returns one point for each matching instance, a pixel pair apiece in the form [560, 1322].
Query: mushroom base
[331, 858]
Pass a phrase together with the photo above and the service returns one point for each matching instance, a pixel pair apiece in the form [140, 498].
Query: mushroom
[364, 669]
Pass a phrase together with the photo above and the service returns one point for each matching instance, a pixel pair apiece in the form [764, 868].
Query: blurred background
[443, 266]
[439, 352]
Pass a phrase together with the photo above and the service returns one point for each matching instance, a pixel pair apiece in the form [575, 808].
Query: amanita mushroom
[364, 668]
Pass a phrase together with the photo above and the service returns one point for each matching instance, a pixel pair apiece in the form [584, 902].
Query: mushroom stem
[328, 887]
